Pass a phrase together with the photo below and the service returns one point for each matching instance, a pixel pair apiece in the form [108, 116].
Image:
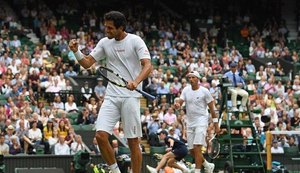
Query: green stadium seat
[88, 127]
[291, 151]
[77, 127]
[123, 150]
[157, 150]
[73, 115]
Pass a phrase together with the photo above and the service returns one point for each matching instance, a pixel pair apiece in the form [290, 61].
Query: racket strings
[113, 77]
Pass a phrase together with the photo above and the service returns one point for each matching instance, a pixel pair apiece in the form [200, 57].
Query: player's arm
[146, 70]
[87, 61]
[211, 106]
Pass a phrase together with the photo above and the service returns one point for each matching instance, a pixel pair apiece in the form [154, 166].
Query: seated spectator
[94, 147]
[92, 104]
[35, 135]
[77, 145]
[93, 116]
[83, 117]
[276, 148]
[237, 89]
[61, 148]
[48, 130]
[86, 91]
[35, 119]
[4, 148]
[170, 117]
[9, 134]
[153, 125]
[62, 129]
[55, 88]
[53, 140]
[70, 72]
[70, 105]
[99, 89]
[58, 104]
[15, 147]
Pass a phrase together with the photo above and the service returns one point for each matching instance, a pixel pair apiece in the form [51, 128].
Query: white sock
[205, 163]
[197, 170]
[114, 168]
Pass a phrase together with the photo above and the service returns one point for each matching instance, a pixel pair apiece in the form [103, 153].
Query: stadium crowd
[29, 73]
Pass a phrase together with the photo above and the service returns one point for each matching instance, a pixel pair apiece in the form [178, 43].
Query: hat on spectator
[10, 127]
[99, 79]
[50, 121]
[233, 64]
[194, 73]
[269, 63]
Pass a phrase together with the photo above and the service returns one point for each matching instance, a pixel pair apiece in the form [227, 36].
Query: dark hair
[117, 17]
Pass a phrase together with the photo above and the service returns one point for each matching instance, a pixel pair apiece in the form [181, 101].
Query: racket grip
[149, 96]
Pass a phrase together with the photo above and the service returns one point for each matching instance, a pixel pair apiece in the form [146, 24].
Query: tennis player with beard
[197, 98]
[128, 55]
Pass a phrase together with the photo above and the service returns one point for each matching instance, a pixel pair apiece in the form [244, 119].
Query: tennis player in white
[127, 55]
[196, 99]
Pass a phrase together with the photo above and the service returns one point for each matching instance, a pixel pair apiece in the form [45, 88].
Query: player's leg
[130, 117]
[108, 116]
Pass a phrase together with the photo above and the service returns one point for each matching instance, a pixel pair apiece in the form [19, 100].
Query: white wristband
[79, 55]
[215, 120]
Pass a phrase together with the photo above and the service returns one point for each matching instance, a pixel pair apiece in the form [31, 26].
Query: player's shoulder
[133, 37]
[204, 89]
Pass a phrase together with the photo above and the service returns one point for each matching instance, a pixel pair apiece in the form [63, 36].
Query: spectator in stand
[34, 135]
[15, 43]
[54, 88]
[250, 67]
[216, 67]
[14, 147]
[170, 117]
[62, 129]
[86, 91]
[276, 148]
[77, 145]
[4, 148]
[53, 140]
[70, 72]
[269, 87]
[99, 89]
[94, 147]
[58, 104]
[70, 105]
[83, 117]
[162, 89]
[61, 148]
[9, 133]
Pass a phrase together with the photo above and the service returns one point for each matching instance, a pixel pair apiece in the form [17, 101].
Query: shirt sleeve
[141, 49]
[98, 52]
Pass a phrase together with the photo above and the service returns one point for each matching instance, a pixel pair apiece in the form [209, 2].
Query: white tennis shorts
[126, 108]
[196, 136]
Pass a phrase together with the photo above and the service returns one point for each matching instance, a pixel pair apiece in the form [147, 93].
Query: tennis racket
[117, 80]
[214, 149]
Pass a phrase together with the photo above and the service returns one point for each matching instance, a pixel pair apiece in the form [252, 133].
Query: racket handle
[149, 96]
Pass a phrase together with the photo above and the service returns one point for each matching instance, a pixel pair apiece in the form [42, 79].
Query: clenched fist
[73, 44]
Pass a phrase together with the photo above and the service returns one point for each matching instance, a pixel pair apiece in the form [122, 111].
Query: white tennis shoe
[209, 168]
[151, 169]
